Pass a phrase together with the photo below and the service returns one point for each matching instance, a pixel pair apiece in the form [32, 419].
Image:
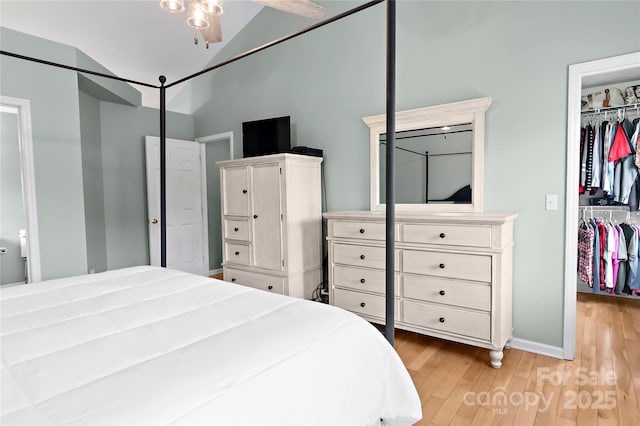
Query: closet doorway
[588, 74]
[214, 148]
[19, 246]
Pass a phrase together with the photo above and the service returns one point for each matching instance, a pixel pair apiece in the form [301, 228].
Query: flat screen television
[270, 136]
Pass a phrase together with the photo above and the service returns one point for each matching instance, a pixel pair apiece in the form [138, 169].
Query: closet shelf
[605, 109]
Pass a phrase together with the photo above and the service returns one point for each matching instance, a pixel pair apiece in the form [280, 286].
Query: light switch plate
[551, 202]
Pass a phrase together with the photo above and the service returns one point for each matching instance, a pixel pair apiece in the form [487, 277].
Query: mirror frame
[470, 111]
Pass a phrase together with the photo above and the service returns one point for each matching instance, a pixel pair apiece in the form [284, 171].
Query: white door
[267, 219]
[185, 242]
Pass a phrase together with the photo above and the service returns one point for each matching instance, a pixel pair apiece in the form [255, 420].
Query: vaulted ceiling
[133, 39]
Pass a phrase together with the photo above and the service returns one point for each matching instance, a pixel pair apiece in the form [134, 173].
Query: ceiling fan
[204, 15]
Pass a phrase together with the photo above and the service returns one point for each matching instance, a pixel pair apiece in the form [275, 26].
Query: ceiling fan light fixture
[173, 6]
[197, 17]
[212, 7]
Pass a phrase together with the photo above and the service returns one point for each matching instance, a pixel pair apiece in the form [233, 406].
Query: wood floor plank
[445, 373]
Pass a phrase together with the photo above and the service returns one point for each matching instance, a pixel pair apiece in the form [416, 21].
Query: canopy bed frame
[390, 131]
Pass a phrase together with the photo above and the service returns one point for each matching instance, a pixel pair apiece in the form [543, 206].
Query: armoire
[272, 223]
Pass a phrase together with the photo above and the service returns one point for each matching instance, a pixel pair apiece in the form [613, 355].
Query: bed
[148, 345]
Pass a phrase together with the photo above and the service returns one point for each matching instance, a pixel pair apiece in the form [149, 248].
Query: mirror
[439, 156]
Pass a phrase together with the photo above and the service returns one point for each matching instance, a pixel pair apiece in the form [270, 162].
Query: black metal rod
[82, 70]
[279, 40]
[450, 153]
[405, 149]
[391, 184]
[163, 173]
[426, 177]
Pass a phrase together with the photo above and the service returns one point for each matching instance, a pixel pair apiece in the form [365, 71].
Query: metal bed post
[391, 196]
[163, 173]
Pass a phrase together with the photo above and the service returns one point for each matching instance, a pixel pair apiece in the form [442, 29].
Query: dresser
[272, 223]
[453, 273]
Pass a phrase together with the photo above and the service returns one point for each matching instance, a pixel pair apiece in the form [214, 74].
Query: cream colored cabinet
[452, 280]
[272, 223]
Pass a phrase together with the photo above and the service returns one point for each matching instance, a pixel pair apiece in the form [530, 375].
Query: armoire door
[235, 189]
[267, 223]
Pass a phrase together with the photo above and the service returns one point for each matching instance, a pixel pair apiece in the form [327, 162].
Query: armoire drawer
[236, 229]
[451, 265]
[237, 253]
[366, 256]
[443, 318]
[447, 291]
[360, 230]
[361, 303]
[459, 235]
[362, 279]
[259, 281]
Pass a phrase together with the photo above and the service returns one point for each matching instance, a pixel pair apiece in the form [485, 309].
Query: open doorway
[602, 72]
[214, 148]
[19, 247]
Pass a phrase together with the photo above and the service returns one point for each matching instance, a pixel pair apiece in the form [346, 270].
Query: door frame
[219, 137]
[577, 73]
[22, 107]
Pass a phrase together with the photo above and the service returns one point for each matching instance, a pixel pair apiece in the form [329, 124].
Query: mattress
[147, 345]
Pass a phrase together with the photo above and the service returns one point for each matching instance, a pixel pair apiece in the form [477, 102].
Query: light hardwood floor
[600, 387]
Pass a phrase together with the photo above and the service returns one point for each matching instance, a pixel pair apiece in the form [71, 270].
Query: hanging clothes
[585, 253]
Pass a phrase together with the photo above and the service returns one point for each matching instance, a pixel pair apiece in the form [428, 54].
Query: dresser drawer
[236, 229]
[259, 281]
[452, 320]
[370, 257]
[458, 235]
[237, 253]
[447, 291]
[365, 304]
[372, 280]
[360, 230]
[451, 265]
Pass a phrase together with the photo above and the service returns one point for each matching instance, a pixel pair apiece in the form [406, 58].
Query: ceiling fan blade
[306, 8]
[213, 33]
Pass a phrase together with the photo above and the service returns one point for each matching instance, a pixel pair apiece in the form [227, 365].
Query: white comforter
[146, 345]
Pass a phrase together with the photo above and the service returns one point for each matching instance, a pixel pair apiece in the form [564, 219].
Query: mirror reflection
[433, 165]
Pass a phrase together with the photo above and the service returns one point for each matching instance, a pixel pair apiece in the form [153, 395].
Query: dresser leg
[496, 358]
[508, 344]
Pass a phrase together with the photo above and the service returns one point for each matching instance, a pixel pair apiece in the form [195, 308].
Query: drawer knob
[362, 305]
[442, 266]
[237, 253]
[362, 230]
[362, 256]
[441, 319]
[244, 191]
[270, 287]
[442, 235]
[236, 229]
[362, 280]
[233, 280]
[441, 292]
[255, 216]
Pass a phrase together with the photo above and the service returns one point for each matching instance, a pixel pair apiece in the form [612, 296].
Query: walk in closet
[609, 187]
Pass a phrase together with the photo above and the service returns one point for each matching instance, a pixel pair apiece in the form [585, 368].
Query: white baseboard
[538, 348]
[215, 271]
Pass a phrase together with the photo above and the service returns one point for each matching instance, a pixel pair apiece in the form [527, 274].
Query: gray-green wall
[53, 94]
[11, 205]
[518, 53]
[92, 183]
[215, 151]
[88, 143]
[123, 129]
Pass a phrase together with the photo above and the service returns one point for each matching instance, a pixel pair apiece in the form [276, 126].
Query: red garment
[620, 146]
